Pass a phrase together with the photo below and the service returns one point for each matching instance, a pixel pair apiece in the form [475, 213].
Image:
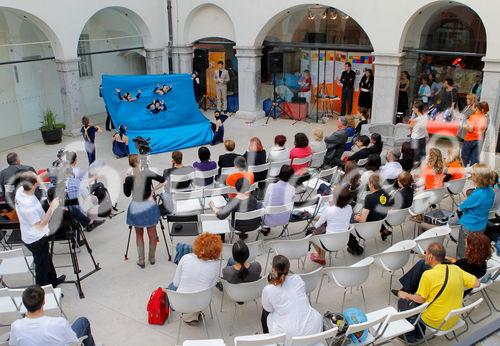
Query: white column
[490, 92]
[387, 68]
[183, 59]
[249, 83]
[69, 79]
[154, 61]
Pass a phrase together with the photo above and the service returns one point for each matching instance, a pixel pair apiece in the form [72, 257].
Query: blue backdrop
[181, 125]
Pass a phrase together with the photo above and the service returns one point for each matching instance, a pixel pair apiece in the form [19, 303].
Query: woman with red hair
[256, 155]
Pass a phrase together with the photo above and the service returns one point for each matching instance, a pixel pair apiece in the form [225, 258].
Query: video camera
[55, 171]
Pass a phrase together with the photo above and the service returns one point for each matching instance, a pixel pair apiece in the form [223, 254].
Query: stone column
[249, 83]
[183, 59]
[154, 61]
[490, 93]
[387, 68]
[69, 79]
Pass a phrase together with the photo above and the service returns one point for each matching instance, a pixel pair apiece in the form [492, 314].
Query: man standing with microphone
[221, 77]
[347, 82]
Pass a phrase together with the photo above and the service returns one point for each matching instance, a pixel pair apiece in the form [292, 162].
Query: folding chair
[52, 299]
[277, 210]
[215, 195]
[15, 262]
[202, 175]
[311, 206]
[225, 171]
[245, 216]
[186, 202]
[274, 169]
[317, 159]
[358, 327]
[318, 179]
[175, 179]
[182, 226]
[212, 224]
[260, 340]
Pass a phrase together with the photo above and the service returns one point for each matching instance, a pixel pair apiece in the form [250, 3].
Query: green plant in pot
[51, 130]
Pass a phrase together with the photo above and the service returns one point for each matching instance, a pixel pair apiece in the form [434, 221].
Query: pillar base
[250, 115]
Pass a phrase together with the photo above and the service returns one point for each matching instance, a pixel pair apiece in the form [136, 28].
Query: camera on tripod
[55, 172]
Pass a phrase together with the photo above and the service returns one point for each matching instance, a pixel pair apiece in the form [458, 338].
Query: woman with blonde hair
[432, 176]
[285, 303]
[475, 209]
[454, 167]
[317, 144]
[256, 155]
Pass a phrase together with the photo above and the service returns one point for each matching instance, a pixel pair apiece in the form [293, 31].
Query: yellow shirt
[431, 282]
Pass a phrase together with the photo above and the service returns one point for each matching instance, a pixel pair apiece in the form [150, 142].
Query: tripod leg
[76, 268]
[128, 241]
[165, 240]
[89, 250]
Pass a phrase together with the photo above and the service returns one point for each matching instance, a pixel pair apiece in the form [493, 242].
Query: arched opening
[313, 41]
[28, 76]
[447, 40]
[110, 43]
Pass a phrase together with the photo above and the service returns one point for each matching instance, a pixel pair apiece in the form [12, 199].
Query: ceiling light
[310, 16]
[346, 17]
[325, 14]
[333, 15]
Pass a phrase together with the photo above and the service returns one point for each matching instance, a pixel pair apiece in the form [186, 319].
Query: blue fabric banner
[160, 107]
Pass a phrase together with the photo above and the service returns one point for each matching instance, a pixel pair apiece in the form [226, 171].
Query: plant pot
[52, 136]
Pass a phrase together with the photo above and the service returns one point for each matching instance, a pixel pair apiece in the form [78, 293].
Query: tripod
[276, 105]
[71, 240]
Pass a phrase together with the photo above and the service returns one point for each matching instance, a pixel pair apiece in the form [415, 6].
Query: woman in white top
[199, 270]
[286, 306]
[418, 128]
[278, 153]
[335, 218]
[317, 144]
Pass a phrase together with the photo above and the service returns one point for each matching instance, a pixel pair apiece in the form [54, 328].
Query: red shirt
[431, 178]
[299, 153]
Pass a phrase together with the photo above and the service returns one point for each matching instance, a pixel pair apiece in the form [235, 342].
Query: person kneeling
[36, 329]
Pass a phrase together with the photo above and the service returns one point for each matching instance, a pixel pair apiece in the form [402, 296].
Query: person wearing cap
[392, 169]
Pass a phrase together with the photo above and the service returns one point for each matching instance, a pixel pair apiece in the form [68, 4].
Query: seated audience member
[335, 218]
[198, 270]
[403, 196]
[240, 163]
[177, 169]
[10, 176]
[278, 153]
[432, 176]
[120, 142]
[363, 119]
[36, 329]
[376, 145]
[205, 164]
[407, 157]
[430, 284]
[374, 209]
[454, 167]
[279, 193]
[372, 166]
[351, 132]
[299, 151]
[242, 202]
[227, 159]
[34, 222]
[363, 151]
[286, 308]
[392, 169]
[335, 144]
[256, 155]
[476, 208]
[318, 143]
[242, 270]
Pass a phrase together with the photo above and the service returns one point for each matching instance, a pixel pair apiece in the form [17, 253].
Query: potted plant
[51, 130]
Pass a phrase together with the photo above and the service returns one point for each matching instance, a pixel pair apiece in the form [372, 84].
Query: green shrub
[49, 121]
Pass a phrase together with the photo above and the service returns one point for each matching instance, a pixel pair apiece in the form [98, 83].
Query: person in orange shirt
[240, 163]
[475, 128]
[432, 175]
[454, 166]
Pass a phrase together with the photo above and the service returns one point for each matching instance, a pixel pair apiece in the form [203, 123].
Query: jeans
[346, 101]
[45, 273]
[81, 327]
[90, 149]
[470, 152]
[411, 278]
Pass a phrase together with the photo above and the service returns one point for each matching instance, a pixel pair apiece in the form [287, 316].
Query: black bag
[438, 217]
[104, 199]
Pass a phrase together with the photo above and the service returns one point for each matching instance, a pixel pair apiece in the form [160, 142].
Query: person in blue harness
[120, 143]
[88, 132]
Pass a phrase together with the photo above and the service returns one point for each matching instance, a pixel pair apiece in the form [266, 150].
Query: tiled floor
[116, 296]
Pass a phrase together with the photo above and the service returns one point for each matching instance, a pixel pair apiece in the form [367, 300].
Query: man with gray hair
[392, 169]
[335, 143]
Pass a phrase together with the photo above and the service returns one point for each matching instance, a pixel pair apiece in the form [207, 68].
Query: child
[88, 132]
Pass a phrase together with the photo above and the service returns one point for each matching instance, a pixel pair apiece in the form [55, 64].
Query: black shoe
[265, 231]
[59, 280]
[395, 292]
[384, 234]
[219, 286]
[243, 236]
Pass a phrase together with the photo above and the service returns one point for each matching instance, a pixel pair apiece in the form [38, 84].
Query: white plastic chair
[455, 188]
[186, 202]
[260, 340]
[318, 179]
[368, 230]
[259, 168]
[15, 262]
[290, 248]
[52, 299]
[394, 258]
[349, 276]
[243, 292]
[8, 307]
[274, 169]
[358, 327]
[332, 242]
[188, 303]
[490, 273]
[396, 323]
[433, 235]
[438, 194]
[314, 339]
[210, 342]
[397, 217]
[245, 216]
[212, 224]
[302, 160]
[279, 210]
[317, 159]
[421, 203]
[175, 179]
[312, 279]
[254, 249]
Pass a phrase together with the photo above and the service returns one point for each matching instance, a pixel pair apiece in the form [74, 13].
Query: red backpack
[158, 307]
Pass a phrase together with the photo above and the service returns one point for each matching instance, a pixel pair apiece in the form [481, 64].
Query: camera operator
[34, 229]
[143, 212]
[9, 177]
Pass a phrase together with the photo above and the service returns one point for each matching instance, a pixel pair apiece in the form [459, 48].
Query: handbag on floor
[158, 307]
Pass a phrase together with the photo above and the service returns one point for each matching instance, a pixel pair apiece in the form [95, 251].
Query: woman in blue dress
[120, 142]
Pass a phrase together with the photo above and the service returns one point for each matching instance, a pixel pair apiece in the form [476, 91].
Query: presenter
[221, 77]
[347, 82]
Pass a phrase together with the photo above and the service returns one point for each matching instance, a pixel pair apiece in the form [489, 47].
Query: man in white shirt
[34, 229]
[392, 169]
[36, 329]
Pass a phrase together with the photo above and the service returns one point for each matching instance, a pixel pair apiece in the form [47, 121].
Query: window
[85, 63]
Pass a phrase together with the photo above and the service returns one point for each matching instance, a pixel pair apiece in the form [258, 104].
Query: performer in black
[128, 96]
[162, 90]
[109, 121]
[347, 82]
[365, 90]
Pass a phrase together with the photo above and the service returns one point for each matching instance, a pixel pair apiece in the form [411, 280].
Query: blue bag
[355, 316]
